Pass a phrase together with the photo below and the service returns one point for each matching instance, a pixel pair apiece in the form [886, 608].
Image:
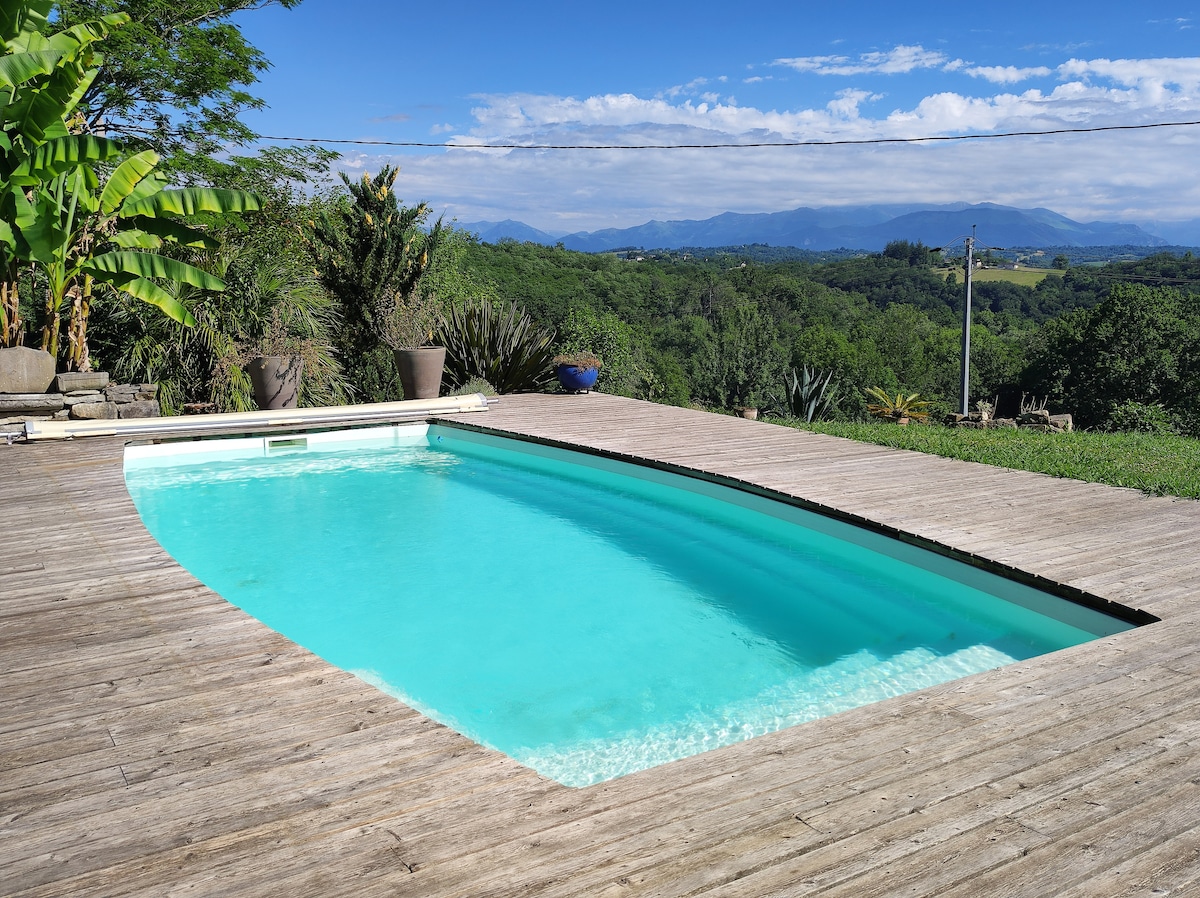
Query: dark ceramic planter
[576, 380]
[276, 380]
[421, 371]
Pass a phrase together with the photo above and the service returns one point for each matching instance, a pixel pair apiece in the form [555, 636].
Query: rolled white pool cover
[249, 421]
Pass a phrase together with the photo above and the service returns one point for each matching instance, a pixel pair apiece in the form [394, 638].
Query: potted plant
[406, 324]
[577, 371]
[900, 409]
[275, 363]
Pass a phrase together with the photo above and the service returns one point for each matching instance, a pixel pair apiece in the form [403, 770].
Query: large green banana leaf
[63, 154]
[149, 265]
[175, 231]
[192, 201]
[23, 16]
[125, 179]
[135, 239]
[70, 41]
[150, 292]
[18, 68]
[36, 112]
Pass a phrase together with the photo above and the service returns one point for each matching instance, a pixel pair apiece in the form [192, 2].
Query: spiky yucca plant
[499, 343]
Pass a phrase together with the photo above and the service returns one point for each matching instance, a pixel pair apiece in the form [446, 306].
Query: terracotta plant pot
[276, 380]
[750, 413]
[421, 371]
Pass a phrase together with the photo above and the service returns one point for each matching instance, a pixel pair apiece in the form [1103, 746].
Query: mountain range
[868, 228]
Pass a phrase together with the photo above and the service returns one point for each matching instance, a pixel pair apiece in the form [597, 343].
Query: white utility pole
[964, 405]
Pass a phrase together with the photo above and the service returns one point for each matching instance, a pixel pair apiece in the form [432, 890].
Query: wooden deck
[156, 741]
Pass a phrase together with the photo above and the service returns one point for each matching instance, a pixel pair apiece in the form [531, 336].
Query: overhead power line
[730, 146]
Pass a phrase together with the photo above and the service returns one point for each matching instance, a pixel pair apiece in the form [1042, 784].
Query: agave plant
[500, 344]
[899, 408]
[811, 394]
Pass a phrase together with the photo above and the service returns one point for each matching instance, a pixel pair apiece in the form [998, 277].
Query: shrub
[1141, 417]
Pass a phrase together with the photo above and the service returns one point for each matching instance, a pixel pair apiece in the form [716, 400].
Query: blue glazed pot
[576, 380]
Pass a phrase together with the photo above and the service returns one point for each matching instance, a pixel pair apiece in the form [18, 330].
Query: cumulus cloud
[1140, 175]
[1007, 74]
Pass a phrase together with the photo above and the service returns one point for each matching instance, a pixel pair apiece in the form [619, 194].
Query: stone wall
[77, 395]
[1039, 420]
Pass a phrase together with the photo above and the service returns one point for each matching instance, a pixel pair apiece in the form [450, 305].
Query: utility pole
[964, 405]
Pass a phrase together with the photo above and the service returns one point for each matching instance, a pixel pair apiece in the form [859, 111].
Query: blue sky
[667, 73]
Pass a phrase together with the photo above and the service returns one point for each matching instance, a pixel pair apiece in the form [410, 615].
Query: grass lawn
[1156, 464]
[1027, 277]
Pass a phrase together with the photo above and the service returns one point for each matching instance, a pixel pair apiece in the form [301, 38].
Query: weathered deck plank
[155, 740]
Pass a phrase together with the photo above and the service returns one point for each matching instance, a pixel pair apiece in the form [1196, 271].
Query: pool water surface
[586, 617]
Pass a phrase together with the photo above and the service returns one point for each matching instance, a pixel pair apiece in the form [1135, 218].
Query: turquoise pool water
[586, 622]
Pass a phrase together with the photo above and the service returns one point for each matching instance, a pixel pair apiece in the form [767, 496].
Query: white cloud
[1182, 72]
[1140, 175]
[1007, 74]
[899, 60]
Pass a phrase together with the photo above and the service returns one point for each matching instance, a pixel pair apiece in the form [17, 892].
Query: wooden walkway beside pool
[155, 741]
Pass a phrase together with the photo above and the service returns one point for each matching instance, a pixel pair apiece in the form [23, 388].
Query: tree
[176, 79]
[746, 361]
[370, 250]
[612, 340]
[1138, 345]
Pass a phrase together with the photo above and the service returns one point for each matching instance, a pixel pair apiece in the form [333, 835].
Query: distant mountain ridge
[869, 228]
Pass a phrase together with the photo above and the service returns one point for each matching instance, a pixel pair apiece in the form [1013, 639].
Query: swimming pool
[587, 617]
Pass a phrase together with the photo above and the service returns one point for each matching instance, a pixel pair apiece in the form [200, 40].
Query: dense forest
[1115, 345]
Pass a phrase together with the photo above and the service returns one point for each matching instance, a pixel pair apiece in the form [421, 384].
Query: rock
[85, 396]
[1038, 416]
[94, 411]
[1065, 422]
[71, 381]
[1005, 423]
[17, 403]
[953, 419]
[142, 408]
[25, 370]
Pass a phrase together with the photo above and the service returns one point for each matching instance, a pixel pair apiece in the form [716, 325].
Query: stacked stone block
[76, 395]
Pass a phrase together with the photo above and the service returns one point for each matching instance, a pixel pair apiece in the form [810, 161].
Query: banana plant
[81, 232]
[43, 77]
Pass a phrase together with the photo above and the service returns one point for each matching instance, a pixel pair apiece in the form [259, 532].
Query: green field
[1026, 277]
[1157, 464]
